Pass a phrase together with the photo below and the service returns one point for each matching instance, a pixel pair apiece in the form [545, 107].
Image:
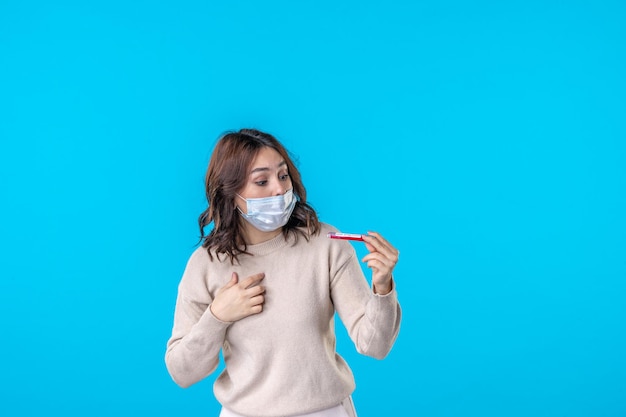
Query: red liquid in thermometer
[345, 236]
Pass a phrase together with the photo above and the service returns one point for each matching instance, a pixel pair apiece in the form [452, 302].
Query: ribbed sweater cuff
[391, 294]
[208, 320]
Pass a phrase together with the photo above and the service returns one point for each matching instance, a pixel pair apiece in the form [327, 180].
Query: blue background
[486, 140]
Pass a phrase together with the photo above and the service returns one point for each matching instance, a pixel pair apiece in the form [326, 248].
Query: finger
[380, 244]
[391, 254]
[378, 268]
[252, 280]
[373, 239]
[255, 290]
[256, 309]
[387, 259]
[382, 240]
[374, 255]
[233, 281]
[255, 301]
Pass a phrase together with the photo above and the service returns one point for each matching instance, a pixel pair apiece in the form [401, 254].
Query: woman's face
[268, 176]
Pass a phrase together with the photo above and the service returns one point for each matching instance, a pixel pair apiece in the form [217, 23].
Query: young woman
[264, 288]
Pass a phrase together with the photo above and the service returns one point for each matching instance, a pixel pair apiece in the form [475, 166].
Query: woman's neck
[253, 236]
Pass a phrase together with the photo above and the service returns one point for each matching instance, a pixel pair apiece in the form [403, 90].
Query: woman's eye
[261, 183]
[284, 177]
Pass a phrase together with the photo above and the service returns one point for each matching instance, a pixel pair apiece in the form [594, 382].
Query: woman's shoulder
[201, 259]
[199, 255]
[201, 269]
[333, 245]
[325, 228]
[322, 232]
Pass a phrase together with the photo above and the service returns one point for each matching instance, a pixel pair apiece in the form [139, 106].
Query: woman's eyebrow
[261, 169]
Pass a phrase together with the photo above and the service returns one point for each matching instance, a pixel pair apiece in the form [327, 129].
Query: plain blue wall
[486, 140]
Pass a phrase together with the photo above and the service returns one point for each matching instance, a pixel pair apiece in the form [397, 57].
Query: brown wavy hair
[226, 175]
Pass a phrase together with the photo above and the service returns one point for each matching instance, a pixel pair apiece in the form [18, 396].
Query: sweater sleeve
[197, 336]
[372, 320]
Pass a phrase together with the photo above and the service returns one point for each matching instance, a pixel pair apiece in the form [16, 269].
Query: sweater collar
[269, 246]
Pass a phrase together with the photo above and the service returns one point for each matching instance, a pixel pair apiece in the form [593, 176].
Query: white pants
[345, 409]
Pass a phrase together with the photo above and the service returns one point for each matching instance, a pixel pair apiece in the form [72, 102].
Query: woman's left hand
[381, 260]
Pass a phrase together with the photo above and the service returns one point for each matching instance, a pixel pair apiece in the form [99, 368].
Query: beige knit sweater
[282, 361]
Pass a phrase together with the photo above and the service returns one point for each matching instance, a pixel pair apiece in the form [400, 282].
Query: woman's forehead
[267, 159]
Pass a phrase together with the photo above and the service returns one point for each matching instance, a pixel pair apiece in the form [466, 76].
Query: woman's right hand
[237, 300]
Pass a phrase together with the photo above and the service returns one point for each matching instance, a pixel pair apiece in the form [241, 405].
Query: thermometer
[345, 236]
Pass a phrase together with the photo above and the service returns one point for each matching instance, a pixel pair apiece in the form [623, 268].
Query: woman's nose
[279, 188]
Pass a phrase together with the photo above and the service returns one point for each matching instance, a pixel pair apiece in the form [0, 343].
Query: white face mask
[269, 213]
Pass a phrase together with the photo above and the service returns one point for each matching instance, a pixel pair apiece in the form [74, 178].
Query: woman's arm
[197, 335]
[193, 349]
[372, 319]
